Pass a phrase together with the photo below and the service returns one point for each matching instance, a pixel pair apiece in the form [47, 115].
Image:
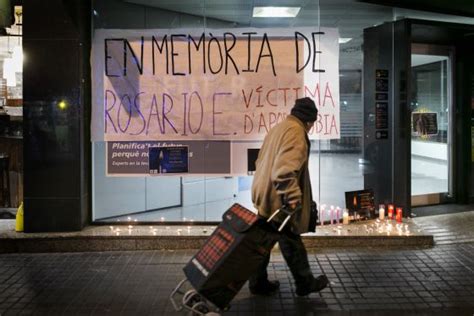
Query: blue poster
[172, 159]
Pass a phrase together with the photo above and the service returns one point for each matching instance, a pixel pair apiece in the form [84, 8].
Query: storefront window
[221, 174]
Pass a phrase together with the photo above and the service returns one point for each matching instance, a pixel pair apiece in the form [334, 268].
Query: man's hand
[293, 205]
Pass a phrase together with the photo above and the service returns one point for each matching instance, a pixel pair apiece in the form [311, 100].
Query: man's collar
[294, 118]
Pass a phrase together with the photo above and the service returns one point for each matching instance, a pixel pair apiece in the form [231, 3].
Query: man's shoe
[316, 285]
[265, 288]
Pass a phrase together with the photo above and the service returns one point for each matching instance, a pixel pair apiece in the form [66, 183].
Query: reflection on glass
[430, 124]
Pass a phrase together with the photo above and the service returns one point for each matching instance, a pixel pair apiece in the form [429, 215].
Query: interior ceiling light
[275, 12]
[343, 40]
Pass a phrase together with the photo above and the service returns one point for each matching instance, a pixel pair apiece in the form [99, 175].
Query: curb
[134, 243]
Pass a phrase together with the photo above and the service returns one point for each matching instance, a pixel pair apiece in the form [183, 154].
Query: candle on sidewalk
[398, 215]
[381, 212]
[390, 211]
[345, 217]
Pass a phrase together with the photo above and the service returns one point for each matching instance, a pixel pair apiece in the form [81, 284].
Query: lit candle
[381, 211]
[390, 211]
[399, 215]
[338, 209]
[345, 217]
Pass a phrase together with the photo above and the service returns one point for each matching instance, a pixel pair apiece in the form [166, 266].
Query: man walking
[282, 179]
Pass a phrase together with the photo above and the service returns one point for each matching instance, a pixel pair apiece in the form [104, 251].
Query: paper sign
[217, 84]
[361, 201]
[424, 123]
[168, 159]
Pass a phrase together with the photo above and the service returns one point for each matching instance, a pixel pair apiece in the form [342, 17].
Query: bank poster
[234, 85]
[166, 160]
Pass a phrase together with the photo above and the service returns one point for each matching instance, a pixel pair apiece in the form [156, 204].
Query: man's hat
[305, 110]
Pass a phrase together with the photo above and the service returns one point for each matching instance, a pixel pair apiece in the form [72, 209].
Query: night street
[439, 280]
[215, 158]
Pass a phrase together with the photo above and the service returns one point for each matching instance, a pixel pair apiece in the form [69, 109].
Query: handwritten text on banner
[215, 85]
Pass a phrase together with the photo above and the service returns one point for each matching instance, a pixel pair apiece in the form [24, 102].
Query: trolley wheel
[200, 308]
[191, 297]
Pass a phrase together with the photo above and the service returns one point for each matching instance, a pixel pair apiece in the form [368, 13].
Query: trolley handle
[284, 210]
[176, 306]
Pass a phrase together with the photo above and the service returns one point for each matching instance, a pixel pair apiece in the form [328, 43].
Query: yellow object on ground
[19, 218]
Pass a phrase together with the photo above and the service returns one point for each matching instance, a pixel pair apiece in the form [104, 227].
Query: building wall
[56, 44]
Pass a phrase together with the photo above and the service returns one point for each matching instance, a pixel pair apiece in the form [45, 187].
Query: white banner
[234, 84]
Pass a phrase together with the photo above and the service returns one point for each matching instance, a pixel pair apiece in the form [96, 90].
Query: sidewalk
[435, 281]
[449, 228]
[364, 280]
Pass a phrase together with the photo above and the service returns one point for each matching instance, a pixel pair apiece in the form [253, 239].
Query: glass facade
[336, 165]
[431, 99]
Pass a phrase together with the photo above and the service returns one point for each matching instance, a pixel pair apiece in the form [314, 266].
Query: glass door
[431, 124]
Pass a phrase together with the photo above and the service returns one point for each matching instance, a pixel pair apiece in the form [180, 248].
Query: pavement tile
[138, 283]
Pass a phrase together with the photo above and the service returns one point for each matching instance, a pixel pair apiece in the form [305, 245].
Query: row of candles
[129, 219]
[334, 214]
[153, 230]
[334, 217]
[390, 212]
[386, 226]
[381, 227]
